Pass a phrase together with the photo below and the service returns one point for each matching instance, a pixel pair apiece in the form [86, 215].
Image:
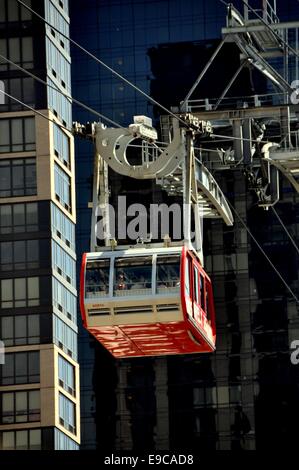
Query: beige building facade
[39, 379]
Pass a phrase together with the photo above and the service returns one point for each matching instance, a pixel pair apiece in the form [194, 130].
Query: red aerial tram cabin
[148, 301]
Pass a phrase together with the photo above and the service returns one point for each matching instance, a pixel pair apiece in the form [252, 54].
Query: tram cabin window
[187, 277]
[202, 292]
[209, 300]
[168, 273]
[196, 285]
[207, 307]
[97, 278]
[133, 276]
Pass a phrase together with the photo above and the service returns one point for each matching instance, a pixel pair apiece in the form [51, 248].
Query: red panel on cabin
[148, 339]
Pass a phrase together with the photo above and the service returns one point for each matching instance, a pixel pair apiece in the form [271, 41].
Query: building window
[65, 337]
[63, 227]
[58, 66]
[25, 439]
[20, 407]
[12, 11]
[21, 254]
[61, 146]
[64, 4]
[64, 300]
[20, 330]
[18, 177]
[64, 264]
[59, 104]
[23, 89]
[18, 50]
[20, 368]
[63, 442]
[17, 135]
[66, 375]
[55, 18]
[67, 413]
[20, 292]
[18, 218]
[62, 188]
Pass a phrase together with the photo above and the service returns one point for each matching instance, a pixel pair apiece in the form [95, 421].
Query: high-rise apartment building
[245, 395]
[39, 382]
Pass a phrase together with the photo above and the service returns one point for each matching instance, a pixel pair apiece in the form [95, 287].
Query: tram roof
[136, 251]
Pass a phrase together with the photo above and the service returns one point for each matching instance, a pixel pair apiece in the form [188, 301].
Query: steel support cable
[286, 230]
[93, 111]
[243, 139]
[227, 137]
[114, 72]
[233, 209]
[79, 103]
[119, 75]
[98, 114]
[263, 252]
[83, 105]
[66, 95]
[35, 111]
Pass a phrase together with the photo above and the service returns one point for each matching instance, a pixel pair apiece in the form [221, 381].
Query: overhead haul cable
[263, 252]
[232, 207]
[55, 88]
[114, 72]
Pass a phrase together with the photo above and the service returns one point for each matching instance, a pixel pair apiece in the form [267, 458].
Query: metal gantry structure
[171, 163]
[250, 120]
[181, 170]
[258, 134]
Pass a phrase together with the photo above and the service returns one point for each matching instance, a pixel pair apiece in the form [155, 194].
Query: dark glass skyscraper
[245, 396]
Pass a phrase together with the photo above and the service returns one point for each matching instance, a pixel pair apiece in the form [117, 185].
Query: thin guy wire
[263, 252]
[72, 41]
[233, 209]
[36, 111]
[66, 95]
[286, 230]
[118, 75]
[243, 139]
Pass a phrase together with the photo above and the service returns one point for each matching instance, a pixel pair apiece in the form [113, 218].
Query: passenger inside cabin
[140, 283]
[121, 283]
[97, 281]
[132, 274]
[168, 273]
